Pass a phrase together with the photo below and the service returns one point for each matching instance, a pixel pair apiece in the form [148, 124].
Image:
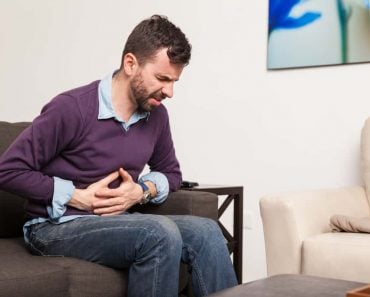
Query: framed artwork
[304, 33]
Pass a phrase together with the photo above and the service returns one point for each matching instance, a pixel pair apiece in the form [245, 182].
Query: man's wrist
[158, 185]
[75, 199]
[146, 197]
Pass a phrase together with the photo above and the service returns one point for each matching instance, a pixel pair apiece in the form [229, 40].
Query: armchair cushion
[337, 255]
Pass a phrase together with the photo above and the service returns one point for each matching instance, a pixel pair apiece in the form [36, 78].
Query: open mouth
[154, 101]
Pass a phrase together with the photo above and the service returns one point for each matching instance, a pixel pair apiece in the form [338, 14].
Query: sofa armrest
[290, 218]
[182, 202]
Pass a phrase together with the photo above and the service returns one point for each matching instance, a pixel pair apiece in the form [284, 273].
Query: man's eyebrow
[166, 77]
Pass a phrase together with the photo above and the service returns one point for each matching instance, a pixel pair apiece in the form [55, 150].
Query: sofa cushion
[337, 255]
[29, 276]
[72, 277]
[39, 276]
[90, 279]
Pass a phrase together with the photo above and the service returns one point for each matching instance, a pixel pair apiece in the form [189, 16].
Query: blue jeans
[151, 247]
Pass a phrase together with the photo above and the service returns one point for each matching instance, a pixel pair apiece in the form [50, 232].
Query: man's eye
[164, 79]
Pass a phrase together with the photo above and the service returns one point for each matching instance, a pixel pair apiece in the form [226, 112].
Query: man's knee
[205, 227]
[163, 235]
[205, 232]
[211, 231]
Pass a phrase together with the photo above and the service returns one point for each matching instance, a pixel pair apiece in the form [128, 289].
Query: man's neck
[122, 104]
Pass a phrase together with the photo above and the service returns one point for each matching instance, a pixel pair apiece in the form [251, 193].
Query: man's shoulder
[79, 92]
[81, 101]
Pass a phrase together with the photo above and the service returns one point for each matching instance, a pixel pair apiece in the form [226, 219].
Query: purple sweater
[68, 141]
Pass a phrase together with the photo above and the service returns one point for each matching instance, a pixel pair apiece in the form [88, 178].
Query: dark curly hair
[155, 33]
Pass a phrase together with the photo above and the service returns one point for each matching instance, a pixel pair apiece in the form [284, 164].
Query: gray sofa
[25, 275]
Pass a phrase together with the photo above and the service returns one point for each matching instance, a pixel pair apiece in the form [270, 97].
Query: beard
[141, 95]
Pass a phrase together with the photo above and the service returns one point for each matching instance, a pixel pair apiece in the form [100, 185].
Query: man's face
[154, 81]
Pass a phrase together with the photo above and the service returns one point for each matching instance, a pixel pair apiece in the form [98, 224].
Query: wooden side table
[235, 241]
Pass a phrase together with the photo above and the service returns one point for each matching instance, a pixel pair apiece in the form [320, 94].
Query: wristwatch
[146, 195]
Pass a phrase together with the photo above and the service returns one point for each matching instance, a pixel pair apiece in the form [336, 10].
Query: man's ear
[130, 64]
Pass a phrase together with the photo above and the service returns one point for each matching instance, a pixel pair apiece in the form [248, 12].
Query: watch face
[146, 197]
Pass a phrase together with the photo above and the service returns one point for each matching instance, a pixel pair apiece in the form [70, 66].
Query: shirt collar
[106, 110]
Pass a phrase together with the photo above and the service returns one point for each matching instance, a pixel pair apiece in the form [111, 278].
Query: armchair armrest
[182, 202]
[290, 218]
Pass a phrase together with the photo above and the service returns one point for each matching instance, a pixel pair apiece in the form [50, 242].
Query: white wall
[233, 122]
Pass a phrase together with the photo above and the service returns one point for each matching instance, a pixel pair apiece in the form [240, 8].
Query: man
[78, 165]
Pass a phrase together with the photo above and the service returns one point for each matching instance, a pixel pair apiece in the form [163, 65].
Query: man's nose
[167, 90]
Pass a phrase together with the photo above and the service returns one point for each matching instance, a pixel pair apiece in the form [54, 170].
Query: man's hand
[117, 201]
[83, 198]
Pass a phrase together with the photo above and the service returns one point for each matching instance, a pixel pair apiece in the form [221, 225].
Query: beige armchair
[298, 238]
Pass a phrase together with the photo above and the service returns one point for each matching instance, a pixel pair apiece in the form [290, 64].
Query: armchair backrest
[12, 214]
[365, 156]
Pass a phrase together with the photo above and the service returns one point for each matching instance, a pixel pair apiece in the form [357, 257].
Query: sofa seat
[337, 255]
[23, 274]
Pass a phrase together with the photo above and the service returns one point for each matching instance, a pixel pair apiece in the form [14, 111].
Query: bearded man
[79, 162]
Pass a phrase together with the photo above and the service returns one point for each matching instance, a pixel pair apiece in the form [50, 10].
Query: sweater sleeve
[21, 165]
[164, 159]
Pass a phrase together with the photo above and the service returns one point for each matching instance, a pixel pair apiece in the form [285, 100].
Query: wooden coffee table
[289, 285]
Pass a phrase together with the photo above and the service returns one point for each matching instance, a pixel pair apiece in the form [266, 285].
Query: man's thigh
[112, 240]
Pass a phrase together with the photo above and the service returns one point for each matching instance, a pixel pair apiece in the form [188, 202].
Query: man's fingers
[115, 213]
[108, 179]
[100, 202]
[125, 175]
[108, 193]
[110, 209]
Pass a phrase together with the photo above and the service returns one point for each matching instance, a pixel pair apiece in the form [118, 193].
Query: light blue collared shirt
[63, 189]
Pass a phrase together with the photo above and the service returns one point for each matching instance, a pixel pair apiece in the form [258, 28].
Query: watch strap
[146, 193]
[144, 186]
